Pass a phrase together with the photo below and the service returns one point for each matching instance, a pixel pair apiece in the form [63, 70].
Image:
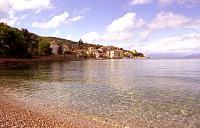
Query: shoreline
[52, 58]
[15, 113]
[20, 62]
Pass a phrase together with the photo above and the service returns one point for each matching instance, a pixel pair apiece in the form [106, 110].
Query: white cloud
[187, 43]
[38, 5]
[187, 3]
[120, 29]
[21, 5]
[166, 1]
[11, 7]
[57, 20]
[94, 37]
[125, 23]
[123, 27]
[183, 2]
[195, 26]
[10, 20]
[117, 36]
[91, 37]
[4, 5]
[68, 37]
[56, 33]
[54, 22]
[76, 18]
[59, 34]
[81, 11]
[138, 2]
[168, 20]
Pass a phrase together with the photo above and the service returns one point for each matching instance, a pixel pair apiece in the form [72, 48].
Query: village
[83, 50]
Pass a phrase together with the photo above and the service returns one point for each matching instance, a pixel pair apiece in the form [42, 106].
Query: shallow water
[141, 93]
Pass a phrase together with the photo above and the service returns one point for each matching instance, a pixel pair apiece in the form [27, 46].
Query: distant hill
[193, 56]
[165, 56]
[174, 56]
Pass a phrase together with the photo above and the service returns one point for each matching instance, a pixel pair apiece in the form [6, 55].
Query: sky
[149, 26]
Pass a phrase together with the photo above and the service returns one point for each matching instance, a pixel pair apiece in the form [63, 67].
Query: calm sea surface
[142, 93]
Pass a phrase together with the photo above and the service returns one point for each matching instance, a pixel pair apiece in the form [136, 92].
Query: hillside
[20, 43]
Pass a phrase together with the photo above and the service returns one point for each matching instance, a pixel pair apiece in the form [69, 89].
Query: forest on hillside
[17, 43]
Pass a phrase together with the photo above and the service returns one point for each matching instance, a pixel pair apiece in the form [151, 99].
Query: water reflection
[132, 92]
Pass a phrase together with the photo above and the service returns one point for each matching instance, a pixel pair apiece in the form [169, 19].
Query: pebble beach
[14, 114]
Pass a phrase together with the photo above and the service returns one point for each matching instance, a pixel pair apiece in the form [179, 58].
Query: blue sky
[150, 26]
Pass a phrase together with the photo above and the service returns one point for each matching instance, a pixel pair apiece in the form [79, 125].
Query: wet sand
[16, 114]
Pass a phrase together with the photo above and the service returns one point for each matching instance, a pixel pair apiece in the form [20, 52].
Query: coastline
[17, 62]
[15, 113]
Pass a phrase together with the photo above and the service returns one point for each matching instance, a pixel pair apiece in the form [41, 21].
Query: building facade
[116, 54]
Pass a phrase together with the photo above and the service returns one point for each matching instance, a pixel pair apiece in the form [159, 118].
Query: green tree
[44, 47]
[3, 48]
[12, 43]
[31, 41]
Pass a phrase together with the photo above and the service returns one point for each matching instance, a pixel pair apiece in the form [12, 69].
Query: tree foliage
[17, 43]
[44, 47]
[12, 43]
[31, 41]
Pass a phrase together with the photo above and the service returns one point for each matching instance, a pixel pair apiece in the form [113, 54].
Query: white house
[116, 54]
